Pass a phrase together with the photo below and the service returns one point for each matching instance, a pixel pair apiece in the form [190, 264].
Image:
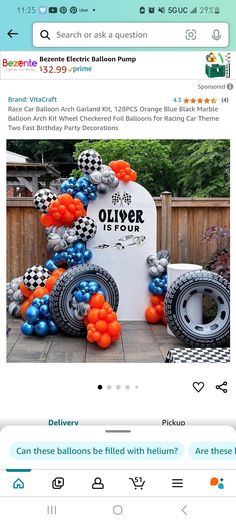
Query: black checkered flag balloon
[43, 198]
[85, 228]
[35, 276]
[89, 161]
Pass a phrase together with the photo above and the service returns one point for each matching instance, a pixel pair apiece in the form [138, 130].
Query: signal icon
[194, 11]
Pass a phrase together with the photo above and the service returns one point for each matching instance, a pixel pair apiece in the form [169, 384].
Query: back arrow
[183, 510]
[10, 33]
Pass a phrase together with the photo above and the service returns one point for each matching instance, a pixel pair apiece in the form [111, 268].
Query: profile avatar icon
[97, 483]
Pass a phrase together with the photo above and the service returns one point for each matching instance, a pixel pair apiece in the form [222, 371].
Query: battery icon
[217, 10]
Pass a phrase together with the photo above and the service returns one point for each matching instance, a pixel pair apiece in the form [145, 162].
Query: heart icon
[198, 386]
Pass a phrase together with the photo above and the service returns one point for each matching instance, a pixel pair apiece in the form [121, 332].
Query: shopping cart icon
[138, 482]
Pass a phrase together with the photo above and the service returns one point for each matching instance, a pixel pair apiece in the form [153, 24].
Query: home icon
[18, 484]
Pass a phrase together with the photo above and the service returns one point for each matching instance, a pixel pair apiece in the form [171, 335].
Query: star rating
[200, 100]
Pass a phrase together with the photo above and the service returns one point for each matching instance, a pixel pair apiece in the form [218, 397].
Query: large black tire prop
[215, 333]
[62, 293]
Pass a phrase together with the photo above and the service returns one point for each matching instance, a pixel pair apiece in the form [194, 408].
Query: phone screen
[118, 147]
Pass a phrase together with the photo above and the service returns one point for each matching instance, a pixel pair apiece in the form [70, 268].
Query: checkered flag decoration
[43, 198]
[89, 161]
[85, 228]
[35, 276]
[124, 199]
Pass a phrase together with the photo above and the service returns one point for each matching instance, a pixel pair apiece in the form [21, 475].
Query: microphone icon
[216, 34]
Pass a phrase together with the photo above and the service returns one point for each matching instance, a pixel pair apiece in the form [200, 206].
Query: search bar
[111, 34]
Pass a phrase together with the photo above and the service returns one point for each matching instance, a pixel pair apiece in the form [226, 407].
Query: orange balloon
[102, 314]
[93, 315]
[66, 199]
[159, 309]
[121, 164]
[24, 290]
[151, 315]
[101, 326]
[90, 336]
[50, 282]
[58, 272]
[40, 291]
[156, 299]
[46, 220]
[96, 336]
[105, 341]
[24, 307]
[114, 329]
[97, 301]
[111, 317]
[112, 165]
[68, 217]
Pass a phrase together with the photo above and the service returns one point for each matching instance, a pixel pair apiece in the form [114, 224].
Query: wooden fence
[181, 223]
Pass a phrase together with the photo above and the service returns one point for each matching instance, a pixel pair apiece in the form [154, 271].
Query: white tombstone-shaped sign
[126, 235]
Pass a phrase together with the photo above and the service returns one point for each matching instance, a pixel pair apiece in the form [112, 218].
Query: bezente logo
[18, 63]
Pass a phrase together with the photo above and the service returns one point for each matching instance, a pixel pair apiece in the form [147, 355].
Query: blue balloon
[72, 180]
[46, 299]
[32, 314]
[92, 195]
[41, 328]
[36, 302]
[79, 296]
[157, 281]
[79, 257]
[70, 250]
[64, 186]
[159, 291]
[87, 254]
[86, 297]
[70, 191]
[82, 197]
[79, 246]
[53, 329]
[83, 284]
[44, 309]
[152, 288]
[93, 288]
[50, 265]
[27, 329]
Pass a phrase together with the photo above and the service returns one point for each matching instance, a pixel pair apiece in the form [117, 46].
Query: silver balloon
[113, 181]
[18, 296]
[102, 188]
[107, 171]
[153, 271]
[15, 284]
[163, 262]
[160, 268]
[14, 309]
[83, 309]
[151, 260]
[76, 314]
[96, 177]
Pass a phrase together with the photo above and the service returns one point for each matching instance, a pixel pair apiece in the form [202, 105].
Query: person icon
[97, 483]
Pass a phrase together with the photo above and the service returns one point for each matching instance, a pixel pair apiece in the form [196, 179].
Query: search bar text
[111, 34]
